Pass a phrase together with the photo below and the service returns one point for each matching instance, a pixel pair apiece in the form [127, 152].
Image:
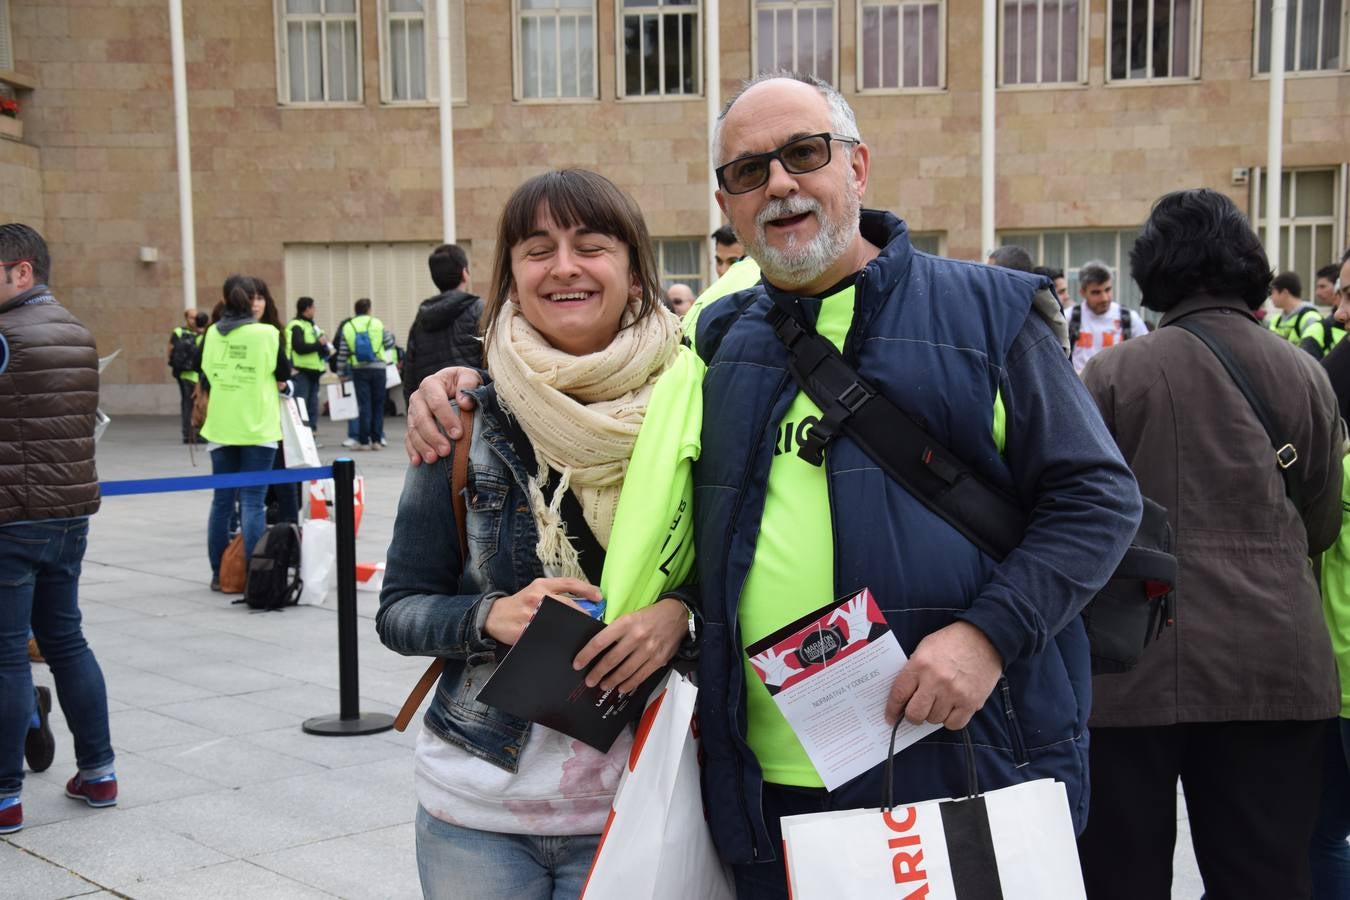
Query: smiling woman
[558, 504]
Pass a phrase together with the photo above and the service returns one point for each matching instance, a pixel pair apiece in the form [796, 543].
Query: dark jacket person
[446, 330]
[1234, 698]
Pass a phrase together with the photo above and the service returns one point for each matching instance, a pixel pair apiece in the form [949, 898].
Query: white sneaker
[318, 445]
[383, 442]
[352, 444]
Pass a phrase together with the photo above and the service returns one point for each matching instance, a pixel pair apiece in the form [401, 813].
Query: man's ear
[861, 164]
[722, 202]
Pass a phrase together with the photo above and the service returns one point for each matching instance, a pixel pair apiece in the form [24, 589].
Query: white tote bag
[318, 560]
[342, 401]
[297, 441]
[656, 844]
[392, 378]
[1015, 843]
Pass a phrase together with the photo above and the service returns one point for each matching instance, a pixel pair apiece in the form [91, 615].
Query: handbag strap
[459, 479]
[1285, 452]
[888, 777]
[899, 445]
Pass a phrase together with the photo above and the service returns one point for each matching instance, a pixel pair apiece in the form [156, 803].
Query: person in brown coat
[1235, 697]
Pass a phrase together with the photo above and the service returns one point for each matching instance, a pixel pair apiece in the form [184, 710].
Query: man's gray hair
[1095, 272]
[842, 120]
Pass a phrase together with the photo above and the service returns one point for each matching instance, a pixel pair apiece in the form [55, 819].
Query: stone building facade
[315, 152]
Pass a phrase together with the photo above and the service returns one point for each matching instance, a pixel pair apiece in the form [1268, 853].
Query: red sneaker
[11, 818]
[99, 792]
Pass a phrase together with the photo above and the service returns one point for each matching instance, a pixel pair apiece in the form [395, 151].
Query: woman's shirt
[240, 362]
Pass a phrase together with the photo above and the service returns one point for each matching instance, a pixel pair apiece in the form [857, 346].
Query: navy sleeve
[422, 612]
[1084, 501]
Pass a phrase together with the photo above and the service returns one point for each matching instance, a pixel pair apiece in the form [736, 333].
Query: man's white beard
[799, 264]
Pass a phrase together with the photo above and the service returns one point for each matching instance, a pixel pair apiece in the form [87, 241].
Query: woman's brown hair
[572, 197]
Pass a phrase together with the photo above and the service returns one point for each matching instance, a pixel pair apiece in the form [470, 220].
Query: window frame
[621, 59]
[700, 254]
[517, 57]
[428, 16]
[1197, 27]
[1119, 264]
[1340, 201]
[939, 88]
[1258, 75]
[280, 20]
[1081, 79]
[6, 38]
[796, 6]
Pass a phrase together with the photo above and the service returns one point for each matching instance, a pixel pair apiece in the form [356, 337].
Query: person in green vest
[365, 347]
[1298, 323]
[183, 343]
[244, 369]
[307, 347]
[581, 473]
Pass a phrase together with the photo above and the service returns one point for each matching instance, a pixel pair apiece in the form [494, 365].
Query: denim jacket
[435, 604]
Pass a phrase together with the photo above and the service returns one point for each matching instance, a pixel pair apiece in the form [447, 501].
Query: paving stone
[235, 880]
[29, 877]
[376, 864]
[232, 762]
[142, 729]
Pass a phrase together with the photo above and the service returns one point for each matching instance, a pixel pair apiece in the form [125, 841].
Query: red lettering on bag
[906, 866]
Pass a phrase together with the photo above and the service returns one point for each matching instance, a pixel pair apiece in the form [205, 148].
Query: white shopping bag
[1015, 843]
[342, 401]
[392, 378]
[321, 494]
[297, 441]
[318, 560]
[656, 844]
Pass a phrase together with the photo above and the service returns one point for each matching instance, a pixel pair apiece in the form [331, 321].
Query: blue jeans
[307, 389]
[370, 392]
[39, 586]
[455, 862]
[1330, 854]
[252, 513]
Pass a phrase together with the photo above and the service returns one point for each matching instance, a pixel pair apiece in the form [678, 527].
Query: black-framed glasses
[797, 157]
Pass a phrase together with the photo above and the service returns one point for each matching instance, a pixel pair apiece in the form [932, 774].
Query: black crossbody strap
[899, 445]
[1285, 452]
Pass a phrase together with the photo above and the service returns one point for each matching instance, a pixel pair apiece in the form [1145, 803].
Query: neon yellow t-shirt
[793, 571]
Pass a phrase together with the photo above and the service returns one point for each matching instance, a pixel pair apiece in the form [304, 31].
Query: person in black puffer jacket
[446, 330]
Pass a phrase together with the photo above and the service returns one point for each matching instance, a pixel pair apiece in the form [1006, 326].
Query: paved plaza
[220, 792]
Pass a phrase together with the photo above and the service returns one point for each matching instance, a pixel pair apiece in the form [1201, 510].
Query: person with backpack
[445, 331]
[244, 370]
[183, 343]
[363, 349]
[1298, 323]
[1099, 321]
[1236, 698]
[307, 346]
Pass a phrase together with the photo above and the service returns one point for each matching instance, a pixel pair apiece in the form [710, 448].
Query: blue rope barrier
[210, 482]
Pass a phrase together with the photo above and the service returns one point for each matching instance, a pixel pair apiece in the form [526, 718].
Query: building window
[408, 52]
[1150, 40]
[902, 44]
[660, 51]
[1309, 220]
[6, 41]
[927, 241]
[1314, 35]
[1042, 42]
[320, 51]
[1070, 250]
[555, 49]
[795, 36]
[680, 260]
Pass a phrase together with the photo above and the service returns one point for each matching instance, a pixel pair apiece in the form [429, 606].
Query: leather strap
[459, 478]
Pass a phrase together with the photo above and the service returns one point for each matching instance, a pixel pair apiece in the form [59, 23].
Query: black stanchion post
[349, 719]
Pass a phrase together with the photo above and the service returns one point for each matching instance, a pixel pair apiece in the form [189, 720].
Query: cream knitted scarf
[581, 414]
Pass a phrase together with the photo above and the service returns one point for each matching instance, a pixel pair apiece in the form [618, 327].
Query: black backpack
[183, 352]
[274, 569]
[1076, 325]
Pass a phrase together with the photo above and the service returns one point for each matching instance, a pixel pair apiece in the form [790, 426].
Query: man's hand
[429, 410]
[509, 615]
[634, 646]
[947, 679]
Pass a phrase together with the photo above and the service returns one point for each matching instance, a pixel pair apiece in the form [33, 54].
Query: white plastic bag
[656, 844]
[318, 560]
[342, 401]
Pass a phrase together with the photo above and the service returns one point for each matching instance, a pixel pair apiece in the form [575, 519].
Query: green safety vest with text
[245, 406]
[311, 360]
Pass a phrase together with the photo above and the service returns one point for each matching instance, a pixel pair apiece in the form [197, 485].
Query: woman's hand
[635, 646]
[509, 615]
[430, 405]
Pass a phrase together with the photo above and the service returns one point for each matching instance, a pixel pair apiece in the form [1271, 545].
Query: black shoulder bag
[1121, 620]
